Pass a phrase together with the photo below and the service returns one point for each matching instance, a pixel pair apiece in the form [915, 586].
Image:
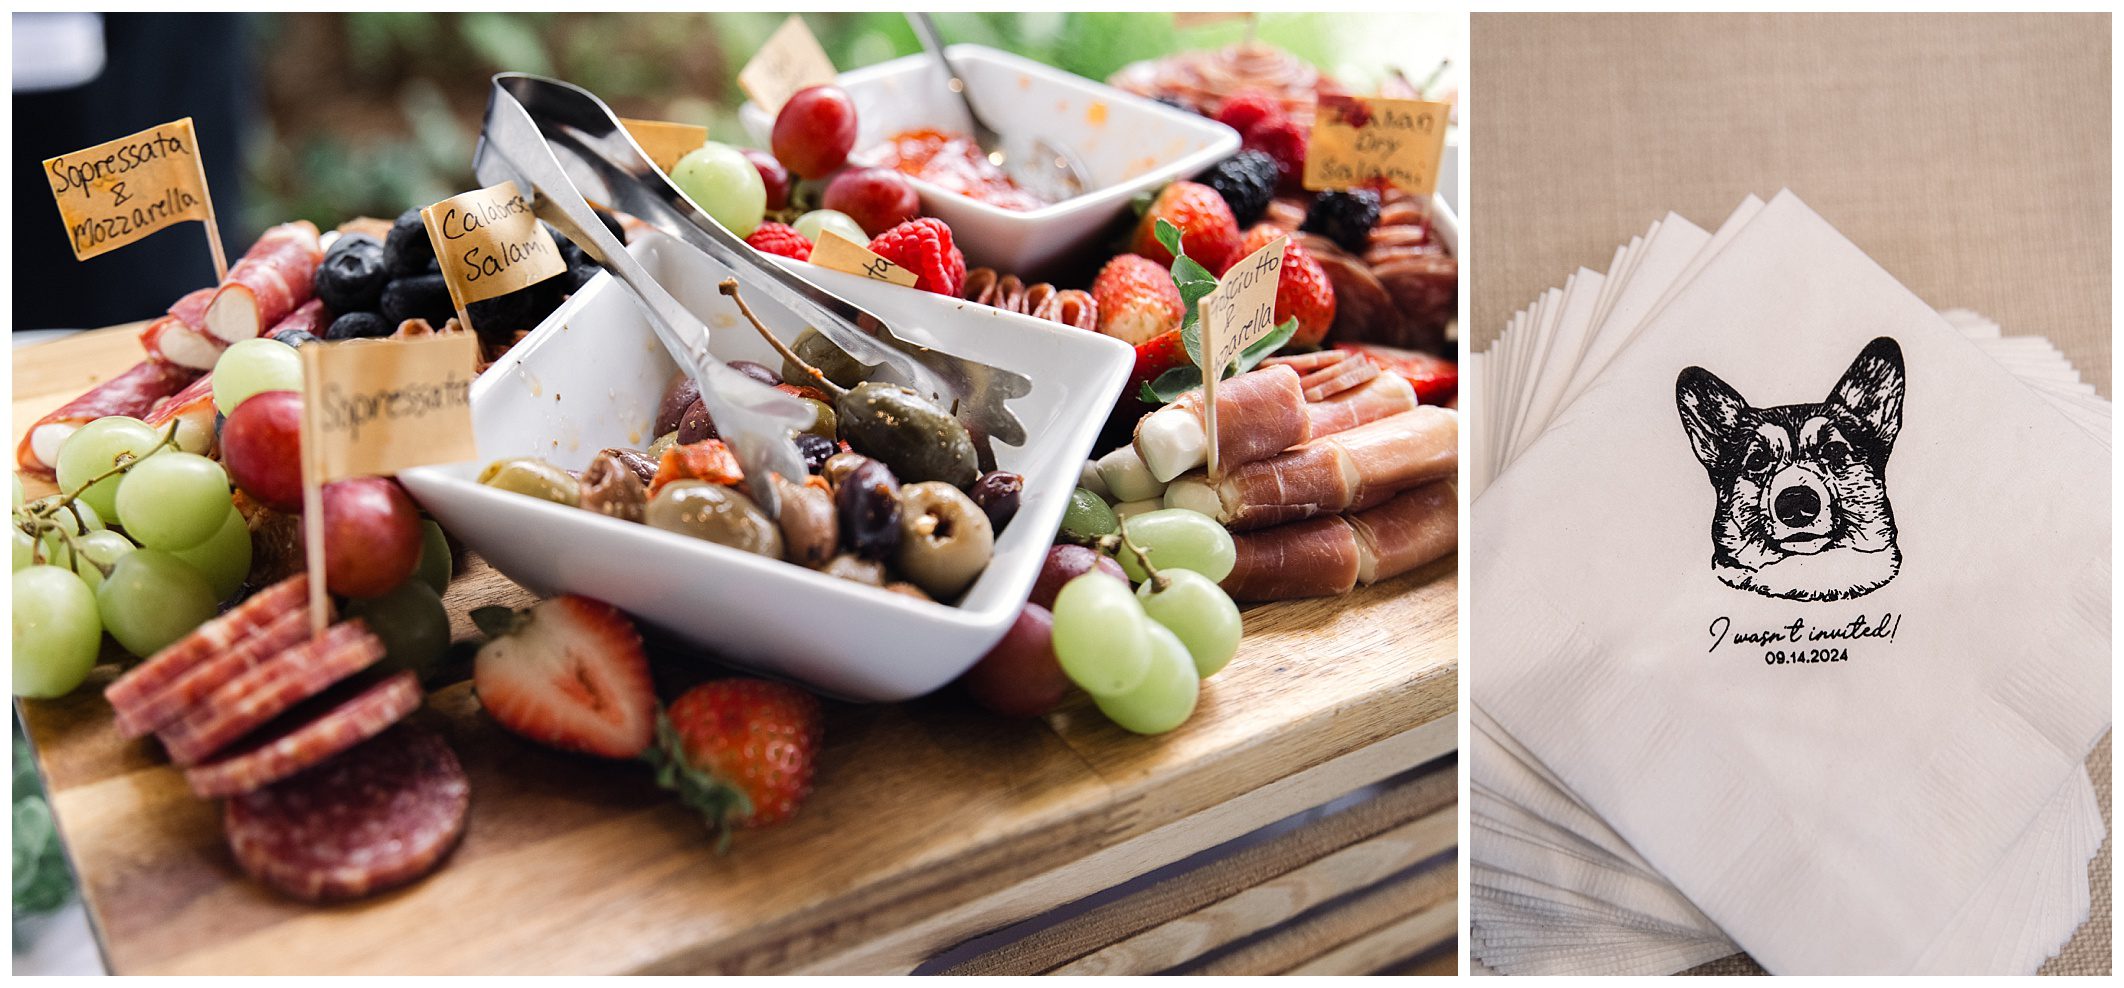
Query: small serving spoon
[1050, 171]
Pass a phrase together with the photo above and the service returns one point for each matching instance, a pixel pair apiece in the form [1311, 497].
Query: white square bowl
[1128, 143]
[592, 376]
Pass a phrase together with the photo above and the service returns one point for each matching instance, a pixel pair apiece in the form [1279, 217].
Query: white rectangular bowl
[1128, 143]
[592, 376]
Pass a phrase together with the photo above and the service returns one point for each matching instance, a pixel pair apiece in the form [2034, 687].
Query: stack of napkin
[1790, 628]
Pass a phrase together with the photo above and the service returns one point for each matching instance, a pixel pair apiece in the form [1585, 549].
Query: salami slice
[134, 393]
[302, 741]
[273, 277]
[163, 707]
[373, 818]
[181, 337]
[193, 410]
[269, 689]
[309, 317]
[205, 641]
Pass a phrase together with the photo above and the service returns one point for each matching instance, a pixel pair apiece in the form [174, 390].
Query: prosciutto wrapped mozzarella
[1323, 557]
[1347, 471]
[1259, 413]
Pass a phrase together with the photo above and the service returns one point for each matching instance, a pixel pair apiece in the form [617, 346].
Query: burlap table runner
[1969, 154]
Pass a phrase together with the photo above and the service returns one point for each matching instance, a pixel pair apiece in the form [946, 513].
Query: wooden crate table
[932, 823]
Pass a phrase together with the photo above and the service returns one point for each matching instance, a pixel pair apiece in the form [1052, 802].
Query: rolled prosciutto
[180, 337]
[1323, 557]
[272, 279]
[193, 410]
[1375, 399]
[1259, 413]
[134, 393]
[1347, 471]
[1323, 374]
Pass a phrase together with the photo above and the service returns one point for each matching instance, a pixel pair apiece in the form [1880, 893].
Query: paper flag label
[790, 60]
[665, 141]
[490, 244]
[381, 406]
[1242, 308]
[117, 192]
[842, 254]
[1357, 139]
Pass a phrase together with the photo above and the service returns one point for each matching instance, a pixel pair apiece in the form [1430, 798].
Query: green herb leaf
[1176, 381]
[1168, 235]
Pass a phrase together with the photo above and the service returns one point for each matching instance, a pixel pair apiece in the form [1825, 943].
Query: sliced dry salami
[375, 817]
[131, 393]
[159, 709]
[205, 641]
[300, 739]
[269, 689]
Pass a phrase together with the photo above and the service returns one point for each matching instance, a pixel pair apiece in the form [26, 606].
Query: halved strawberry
[569, 673]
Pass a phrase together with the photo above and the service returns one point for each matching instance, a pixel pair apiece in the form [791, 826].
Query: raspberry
[1284, 141]
[1247, 181]
[1346, 218]
[780, 238]
[924, 247]
[1247, 109]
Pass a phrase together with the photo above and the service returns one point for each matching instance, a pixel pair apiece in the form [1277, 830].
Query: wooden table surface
[932, 820]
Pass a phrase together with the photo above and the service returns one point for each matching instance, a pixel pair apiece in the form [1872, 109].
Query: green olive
[656, 449]
[945, 538]
[535, 477]
[820, 352]
[715, 513]
[913, 437]
[849, 566]
[823, 421]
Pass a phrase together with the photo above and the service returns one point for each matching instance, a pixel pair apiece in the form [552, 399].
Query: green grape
[25, 548]
[725, 184]
[1165, 698]
[1101, 635]
[78, 519]
[1088, 516]
[173, 501]
[94, 449]
[1177, 538]
[411, 622]
[434, 566]
[812, 223]
[104, 547]
[225, 557]
[251, 366]
[152, 599]
[1199, 613]
[57, 635]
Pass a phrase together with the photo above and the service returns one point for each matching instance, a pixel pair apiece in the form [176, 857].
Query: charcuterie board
[932, 821]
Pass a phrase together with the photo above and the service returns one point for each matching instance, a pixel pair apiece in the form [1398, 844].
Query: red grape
[1067, 562]
[815, 131]
[772, 174]
[372, 536]
[877, 198]
[261, 445]
[1020, 677]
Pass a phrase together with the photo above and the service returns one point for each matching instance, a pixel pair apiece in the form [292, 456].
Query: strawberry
[567, 672]
[779, 238]
[1155, 357]
[740, 751]
[1137, 299]
[1208, 233]
[1435, 378]
[1302, 290]
[1283, 140]
[1248, 108]
[924, 247]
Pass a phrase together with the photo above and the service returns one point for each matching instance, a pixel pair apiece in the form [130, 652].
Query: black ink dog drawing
[1802, 494]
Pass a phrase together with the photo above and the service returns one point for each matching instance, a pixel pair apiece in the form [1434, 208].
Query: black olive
[351, 277]
[816, 450]
[757, 371]
[695, 425]
[419, 297]
[998, 493]
[913, 437]
[407, 250]
[680, 396]
[869, 505]
[359, 325]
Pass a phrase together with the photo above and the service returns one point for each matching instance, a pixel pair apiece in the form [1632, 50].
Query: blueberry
[359, 325]
[295, 337]
[501, 316]
[352, 277]
[418, 297]
[407, 251]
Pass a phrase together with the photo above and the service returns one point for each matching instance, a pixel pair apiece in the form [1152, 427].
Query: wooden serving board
[932, 820]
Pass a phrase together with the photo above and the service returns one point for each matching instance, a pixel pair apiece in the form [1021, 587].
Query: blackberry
[1346, 218]
[423, 296]
[359, 325]
[1247, 181]
[407, 250]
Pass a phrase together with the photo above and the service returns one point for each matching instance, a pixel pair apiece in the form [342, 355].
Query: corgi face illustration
[1802, 499]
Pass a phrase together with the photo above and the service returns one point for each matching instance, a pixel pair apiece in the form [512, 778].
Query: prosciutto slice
[134, 393]
[1259, 413]
[272, 279]
[1347, 471]
[1381, 396]
[1324, 557]
[180, 337]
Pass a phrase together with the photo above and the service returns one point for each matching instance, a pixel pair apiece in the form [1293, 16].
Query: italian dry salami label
[381, 406]
[664, 141]
[842, 254]
[790, 60]
[490, 244]
[1362, 139]
[120, 191]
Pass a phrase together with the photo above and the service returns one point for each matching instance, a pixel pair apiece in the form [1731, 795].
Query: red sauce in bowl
[954, 163]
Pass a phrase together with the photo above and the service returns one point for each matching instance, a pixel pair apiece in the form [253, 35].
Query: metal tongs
[604, 163]
[755, 420]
